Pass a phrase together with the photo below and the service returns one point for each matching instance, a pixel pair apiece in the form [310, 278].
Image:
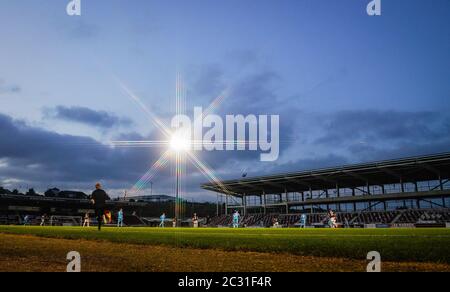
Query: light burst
[178, 145]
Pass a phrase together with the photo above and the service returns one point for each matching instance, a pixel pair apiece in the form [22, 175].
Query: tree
[4, 191]
[32, 193]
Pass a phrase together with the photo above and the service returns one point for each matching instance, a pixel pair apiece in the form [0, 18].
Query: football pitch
[251, 249]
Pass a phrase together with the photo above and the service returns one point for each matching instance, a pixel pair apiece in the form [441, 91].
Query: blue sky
[348, 87]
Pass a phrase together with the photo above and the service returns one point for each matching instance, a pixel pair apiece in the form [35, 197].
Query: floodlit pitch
[405, 249]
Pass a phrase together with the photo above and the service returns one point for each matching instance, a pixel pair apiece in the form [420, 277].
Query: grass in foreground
[25, 253]
[397, 245]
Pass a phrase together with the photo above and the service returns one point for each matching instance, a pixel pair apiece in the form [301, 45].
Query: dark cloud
[83, 115]
[208, 81]
[39, 156]
[372, 126]
[320, 161]
[8, 88]
[367, 152]
[247, 90]
[256, 94]
[244, 58]
[349, 137]
[371, 135]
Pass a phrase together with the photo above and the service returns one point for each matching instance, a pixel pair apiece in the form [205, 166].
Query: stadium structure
[410, 192]
[68, 208]
[407, 192]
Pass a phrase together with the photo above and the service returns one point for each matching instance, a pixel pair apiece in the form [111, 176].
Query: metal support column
[226, 204]
[287, 200]
[354, 203]
[244, 203]
[403, 190]
[264, 201]
[338, 194]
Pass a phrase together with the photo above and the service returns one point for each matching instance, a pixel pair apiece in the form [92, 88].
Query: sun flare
[178, 143]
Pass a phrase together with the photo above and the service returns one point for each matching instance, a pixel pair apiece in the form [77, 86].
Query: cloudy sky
[348, 87]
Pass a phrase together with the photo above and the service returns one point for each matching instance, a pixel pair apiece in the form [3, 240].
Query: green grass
[415, 245]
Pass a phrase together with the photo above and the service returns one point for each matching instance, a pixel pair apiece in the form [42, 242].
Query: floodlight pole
[177, 195]
[177, 187]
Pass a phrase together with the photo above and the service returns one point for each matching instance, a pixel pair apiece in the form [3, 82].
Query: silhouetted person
[98, 198]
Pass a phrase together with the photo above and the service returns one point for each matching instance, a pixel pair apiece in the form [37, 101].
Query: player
[43, 217]
[275, 223]
[162, 218]
[174, 222]
[236, 218]
[195, 220]
[120, 218]
[108, 217]
[87, 220]
[332, 219]
[303, 221]
[98, 199]
[26, 220]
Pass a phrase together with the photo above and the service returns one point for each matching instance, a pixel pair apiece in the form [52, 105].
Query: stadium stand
[439, 216]
[65, 221]
[14, 206]
[133, 220]
[422, 216]
[222, 220]
[379, 217]
[403, 191]
[10, 220]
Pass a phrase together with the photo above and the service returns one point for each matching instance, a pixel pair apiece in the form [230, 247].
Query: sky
[348, 87]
